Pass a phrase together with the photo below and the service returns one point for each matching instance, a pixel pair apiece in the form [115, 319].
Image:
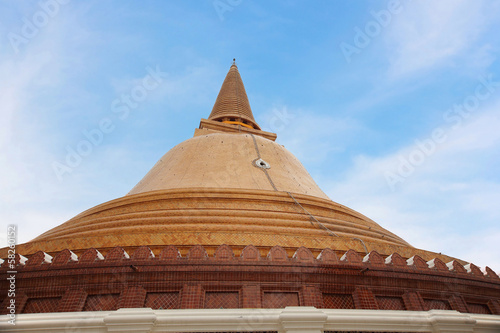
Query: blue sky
[392, 106]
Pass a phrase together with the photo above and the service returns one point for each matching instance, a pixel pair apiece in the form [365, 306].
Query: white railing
[288, 320]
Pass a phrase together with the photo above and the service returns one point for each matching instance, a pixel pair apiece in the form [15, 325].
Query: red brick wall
[246, 281]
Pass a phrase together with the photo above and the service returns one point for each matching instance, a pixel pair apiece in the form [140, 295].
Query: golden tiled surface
[225, 160]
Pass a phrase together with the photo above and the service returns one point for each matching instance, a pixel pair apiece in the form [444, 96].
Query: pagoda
[230, 221]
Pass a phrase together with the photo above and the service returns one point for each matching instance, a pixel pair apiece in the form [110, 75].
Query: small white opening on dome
[260, 163]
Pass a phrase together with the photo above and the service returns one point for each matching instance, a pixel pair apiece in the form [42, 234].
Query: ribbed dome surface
[232, 102]
[211, 217]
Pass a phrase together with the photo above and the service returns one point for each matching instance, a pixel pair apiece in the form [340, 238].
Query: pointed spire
[231, 105]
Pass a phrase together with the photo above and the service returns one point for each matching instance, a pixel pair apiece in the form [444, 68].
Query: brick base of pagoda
[93, 282]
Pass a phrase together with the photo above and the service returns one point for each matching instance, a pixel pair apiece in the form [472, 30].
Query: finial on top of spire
[234, 61]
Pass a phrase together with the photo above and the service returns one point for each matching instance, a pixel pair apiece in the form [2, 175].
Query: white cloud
[30, 195]
[429, 33]
[22, 158]
[448, 204]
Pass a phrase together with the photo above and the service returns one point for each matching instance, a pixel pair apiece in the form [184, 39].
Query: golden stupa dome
[229, 184]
